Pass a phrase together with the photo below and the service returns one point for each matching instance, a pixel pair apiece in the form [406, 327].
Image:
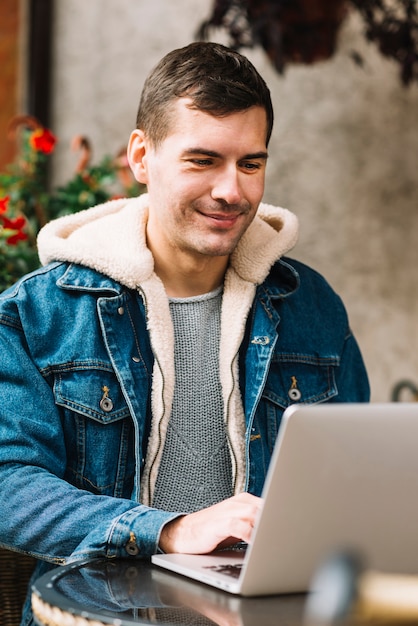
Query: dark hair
[218, 80]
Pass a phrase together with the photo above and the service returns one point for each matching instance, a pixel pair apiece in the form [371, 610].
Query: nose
[227, 187]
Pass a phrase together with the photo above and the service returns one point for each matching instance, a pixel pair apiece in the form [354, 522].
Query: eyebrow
[212, 153]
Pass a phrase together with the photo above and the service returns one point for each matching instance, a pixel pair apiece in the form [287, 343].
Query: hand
[217, 526]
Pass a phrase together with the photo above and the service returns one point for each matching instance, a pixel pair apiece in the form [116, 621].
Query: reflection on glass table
[132, 592]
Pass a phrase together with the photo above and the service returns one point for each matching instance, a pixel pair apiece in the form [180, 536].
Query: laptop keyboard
[233, 570]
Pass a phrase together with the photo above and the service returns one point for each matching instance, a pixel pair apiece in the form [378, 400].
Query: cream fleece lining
[111, 238]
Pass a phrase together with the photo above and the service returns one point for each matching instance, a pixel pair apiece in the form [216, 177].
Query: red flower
[14, 239]
[3, 204]
[42, 140]
[15, 225]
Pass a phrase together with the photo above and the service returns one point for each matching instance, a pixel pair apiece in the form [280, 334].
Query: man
[146, 366]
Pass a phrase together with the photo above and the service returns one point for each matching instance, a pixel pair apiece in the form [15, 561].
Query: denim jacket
[77, 378]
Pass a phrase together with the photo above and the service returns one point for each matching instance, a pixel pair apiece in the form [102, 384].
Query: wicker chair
[15, 572]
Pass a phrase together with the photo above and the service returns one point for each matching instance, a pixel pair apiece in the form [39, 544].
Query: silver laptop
[342, 476]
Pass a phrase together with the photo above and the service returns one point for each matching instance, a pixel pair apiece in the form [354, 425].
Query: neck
[185, 282]
[184, 277]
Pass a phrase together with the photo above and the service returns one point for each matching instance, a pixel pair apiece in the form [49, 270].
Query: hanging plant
[306, 31]
[393, 27]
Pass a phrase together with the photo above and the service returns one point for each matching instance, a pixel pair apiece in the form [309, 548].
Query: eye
[201, 162]
[251, 165]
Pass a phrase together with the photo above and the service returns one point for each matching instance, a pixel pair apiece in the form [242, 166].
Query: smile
[225, 220]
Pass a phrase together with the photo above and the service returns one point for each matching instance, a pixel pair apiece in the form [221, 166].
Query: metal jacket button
[106, 403]
[132, 547]
[294, 393]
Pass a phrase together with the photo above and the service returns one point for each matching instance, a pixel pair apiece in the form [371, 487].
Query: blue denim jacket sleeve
[351, 377]
[47, 511]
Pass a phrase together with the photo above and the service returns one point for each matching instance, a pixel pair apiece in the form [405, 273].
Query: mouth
[222, 220]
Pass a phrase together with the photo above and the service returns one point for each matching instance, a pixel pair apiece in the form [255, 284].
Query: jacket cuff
[134, 534]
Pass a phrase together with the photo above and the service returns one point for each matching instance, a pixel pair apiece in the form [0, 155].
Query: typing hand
[217, 526]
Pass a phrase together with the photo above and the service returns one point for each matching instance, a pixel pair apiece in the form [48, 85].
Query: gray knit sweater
[195, 468]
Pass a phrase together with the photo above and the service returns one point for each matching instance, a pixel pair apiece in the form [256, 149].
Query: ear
[137, 155]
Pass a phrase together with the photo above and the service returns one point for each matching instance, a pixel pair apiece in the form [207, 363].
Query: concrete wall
[343, 154]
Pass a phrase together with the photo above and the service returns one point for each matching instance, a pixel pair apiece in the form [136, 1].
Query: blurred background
[343, 155]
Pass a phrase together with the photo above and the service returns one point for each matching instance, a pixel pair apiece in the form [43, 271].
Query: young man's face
[205, 180]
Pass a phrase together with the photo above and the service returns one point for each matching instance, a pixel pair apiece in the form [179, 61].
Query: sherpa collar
[110, 238]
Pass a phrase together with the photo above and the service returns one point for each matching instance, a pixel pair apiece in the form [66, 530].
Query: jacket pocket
[98, 429]
[92, 392]
[301, 378]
